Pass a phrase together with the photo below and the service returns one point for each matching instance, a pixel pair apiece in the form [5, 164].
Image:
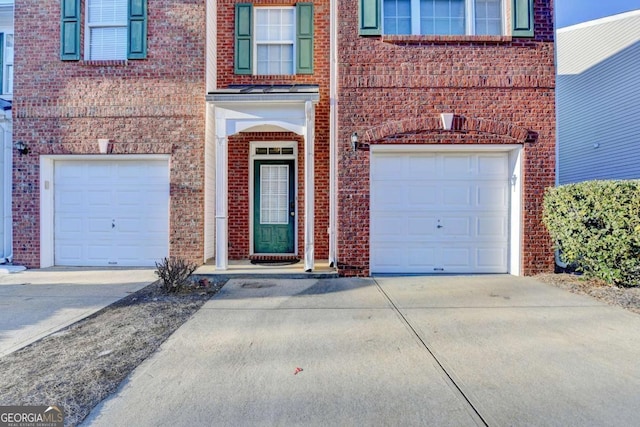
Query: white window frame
[7, 72]
[470, 21]
[291, 42]
[87, 33]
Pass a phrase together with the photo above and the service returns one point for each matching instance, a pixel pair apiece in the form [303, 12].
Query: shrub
[174, 273]
[596, 225]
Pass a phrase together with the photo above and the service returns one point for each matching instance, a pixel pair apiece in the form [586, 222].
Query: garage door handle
[440, 226]
[113, 223]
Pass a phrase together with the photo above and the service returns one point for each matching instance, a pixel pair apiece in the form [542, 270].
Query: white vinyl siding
[107, 29]
[598, 94]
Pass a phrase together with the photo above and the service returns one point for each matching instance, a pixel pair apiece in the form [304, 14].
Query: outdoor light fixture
[447, 120]
[354, 141]
[22, 148]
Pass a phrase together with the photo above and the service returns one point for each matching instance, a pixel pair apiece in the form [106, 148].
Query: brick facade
[239, 144]
[392, 89]
[154, 105]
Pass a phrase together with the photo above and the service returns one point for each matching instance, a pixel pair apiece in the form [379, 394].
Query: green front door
[273, 206]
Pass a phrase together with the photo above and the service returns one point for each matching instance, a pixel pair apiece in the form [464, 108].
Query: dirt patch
[628, 298]
[79, 366]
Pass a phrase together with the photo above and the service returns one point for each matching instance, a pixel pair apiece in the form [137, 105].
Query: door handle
[113, 223]
[440, 226]
[292, 213]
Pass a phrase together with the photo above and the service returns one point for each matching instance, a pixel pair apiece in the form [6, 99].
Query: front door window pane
[274, 194]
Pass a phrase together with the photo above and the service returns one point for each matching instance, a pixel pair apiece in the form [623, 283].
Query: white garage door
[111, 212]
[439, 212]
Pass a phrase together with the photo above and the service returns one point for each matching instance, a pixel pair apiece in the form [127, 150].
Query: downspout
[7, 244]
[333, 132]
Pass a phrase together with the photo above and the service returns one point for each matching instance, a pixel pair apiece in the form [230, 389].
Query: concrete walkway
[483, 350]
[36, 303]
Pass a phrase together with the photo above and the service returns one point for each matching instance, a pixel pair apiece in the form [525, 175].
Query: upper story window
[6, 48]
[511, 18]
[273, 40]
[113, 30]
[443, 17]
[106, 30]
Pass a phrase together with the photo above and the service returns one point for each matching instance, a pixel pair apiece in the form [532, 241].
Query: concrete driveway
[474, 350]
[36, 303]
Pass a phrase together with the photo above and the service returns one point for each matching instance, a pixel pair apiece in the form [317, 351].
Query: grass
[79, 366]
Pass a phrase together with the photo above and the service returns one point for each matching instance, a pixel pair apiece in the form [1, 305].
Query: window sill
[431, 40]
[105, 63]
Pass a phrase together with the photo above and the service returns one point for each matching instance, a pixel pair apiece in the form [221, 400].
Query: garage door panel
[420, 257]
[493, 197]
[424, 195]
[491, 257]
[492, 165]
[421, 226]
[110, 212]
[420, 167]
[495, 227]
[448, 213]
[456, 195]
[388, 196]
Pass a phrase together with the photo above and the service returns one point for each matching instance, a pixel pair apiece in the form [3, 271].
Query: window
[7, 72]
[113, 30]
[443, 17]
[106, 30]
[274, 40]
[446, 17]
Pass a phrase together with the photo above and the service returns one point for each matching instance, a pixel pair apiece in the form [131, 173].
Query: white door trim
[252, 158]
[515, 204]
[47, 168]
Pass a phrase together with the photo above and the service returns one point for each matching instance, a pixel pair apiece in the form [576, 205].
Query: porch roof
[269, 93]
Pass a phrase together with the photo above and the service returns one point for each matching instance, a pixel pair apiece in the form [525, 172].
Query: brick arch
[433, 124]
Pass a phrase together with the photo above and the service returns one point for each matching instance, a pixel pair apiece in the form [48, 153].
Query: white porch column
[222, 220]
[309, 186]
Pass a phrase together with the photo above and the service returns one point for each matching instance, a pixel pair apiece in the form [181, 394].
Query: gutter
[7, 220]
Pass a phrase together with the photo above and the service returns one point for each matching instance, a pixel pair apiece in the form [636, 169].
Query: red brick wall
[155, 105]
[387, 80]
[238, 146]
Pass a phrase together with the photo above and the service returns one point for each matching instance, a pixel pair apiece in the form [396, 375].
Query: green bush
[596, 225]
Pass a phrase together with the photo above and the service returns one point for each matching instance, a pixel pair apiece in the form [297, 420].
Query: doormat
[275, 262]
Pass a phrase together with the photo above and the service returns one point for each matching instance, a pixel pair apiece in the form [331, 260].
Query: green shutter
[137, 30]
[304, 38]
[243, 63]
[70, 30]
[522, 18]
[370, 17]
